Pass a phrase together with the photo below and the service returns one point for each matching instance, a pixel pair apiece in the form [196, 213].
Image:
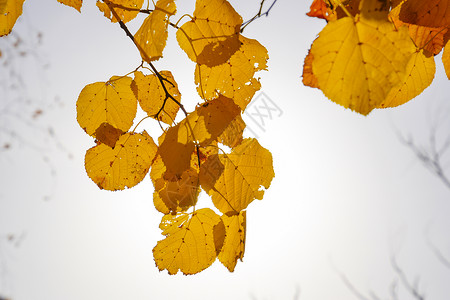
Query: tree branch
[413, 289]
[258, 15]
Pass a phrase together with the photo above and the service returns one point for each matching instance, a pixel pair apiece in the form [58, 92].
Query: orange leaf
[308, 77]
[428, 38]
[321, 10]
[123, 166]
[430, 13]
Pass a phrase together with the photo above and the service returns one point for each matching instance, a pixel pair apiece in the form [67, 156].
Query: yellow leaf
[419, 75]
[123, 166]
[108, 134]
[175, 151]
[152, 97]
[446, 59]
[152, 34]
[232, 135]
[212, 36]
[11, 10]
[176, 193]
[3, 6]
[234, 180]
[209, 120]
[205, 125]
[234, 79]
[431, 13]
[127, 10]
[73, 3]
[350, 61]
[111, 102]
[189, 245]
[234, 244]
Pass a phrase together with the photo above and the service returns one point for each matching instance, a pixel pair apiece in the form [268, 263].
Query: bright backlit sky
[346, 196]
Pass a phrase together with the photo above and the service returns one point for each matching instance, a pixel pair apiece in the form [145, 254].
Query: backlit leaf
[12, 9]
[127, 10]
[123, 166]
[234, 244]
[446, 59]
[175, 151]
[3, 6]
[108, 134]
[152, 97]
[232, 135]
[419, 75]
[73, 3]
[212, 36]
[308, 77]
[350, 61]
[152, 34]
[209, 120]
[189, 245]
[174, 193]
[234, 79]
[320, 9]
[431, 13]
[111, 102]
[428, 38]
[234, 180]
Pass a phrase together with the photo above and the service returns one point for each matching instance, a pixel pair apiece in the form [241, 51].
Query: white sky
[346, 194]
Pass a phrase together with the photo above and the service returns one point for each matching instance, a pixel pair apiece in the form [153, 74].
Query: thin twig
[445, 261]
[411, 288]
[258, 15]
[160, 77]
[431, 159]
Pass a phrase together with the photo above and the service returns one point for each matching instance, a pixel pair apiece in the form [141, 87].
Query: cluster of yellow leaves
[188, 156]
[377, 53]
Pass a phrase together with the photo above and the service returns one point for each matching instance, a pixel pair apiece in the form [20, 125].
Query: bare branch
[258, 15]
[431, 159]
[413, 288]
[437, 252]
[349, 285]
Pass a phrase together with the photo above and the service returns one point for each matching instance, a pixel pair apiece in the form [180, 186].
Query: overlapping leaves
[371, 55]
[189, 155]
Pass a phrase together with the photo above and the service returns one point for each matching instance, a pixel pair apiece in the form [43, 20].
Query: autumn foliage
[377, 53]
[371, 54]
[190, 153]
